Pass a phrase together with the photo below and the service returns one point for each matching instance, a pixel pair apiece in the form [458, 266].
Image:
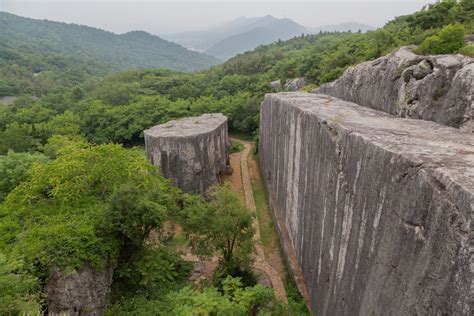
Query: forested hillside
[135, 49]
[67, 200]
[117, 107]
[323, 57]
[24, 70]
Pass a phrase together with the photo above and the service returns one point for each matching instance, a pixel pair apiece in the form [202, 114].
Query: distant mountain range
[135, 49]
[244, 34]
[343, 27]
[267, 30]
[138, 49]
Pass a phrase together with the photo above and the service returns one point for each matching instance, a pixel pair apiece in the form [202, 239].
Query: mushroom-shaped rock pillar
[193, 152]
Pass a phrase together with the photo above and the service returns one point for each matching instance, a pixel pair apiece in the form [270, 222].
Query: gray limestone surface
[192, 152]
[437, 88]
[378, 209]
[276, 85]
[82, 292]
[294, 84]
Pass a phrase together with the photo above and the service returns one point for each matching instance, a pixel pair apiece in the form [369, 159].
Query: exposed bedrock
[377, 208]
[294, 84]
[436, 88]
[276, 85]
[82, 292]
[192, 152]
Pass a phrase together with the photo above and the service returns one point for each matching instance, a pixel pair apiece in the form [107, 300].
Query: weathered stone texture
[82, 292]
[276, 85]
[294, 84]
[377, 208]
[437, 88]
[192, 152]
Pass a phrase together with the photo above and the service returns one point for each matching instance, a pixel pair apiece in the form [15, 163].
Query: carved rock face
[192, 152]
[82, 292]
[377, 208]
[436, 88]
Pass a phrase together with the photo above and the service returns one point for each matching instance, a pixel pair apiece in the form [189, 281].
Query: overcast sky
[161, 16]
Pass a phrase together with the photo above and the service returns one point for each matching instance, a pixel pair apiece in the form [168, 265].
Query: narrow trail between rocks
[260, 261]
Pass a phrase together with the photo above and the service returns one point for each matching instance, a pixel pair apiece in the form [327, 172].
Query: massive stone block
[378, 209]
[437, 88]
[192, 152]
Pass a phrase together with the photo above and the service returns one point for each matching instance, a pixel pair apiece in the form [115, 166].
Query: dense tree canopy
[87, 205]
[14, 169]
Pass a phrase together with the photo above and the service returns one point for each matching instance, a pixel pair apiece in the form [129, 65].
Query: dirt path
[260, 261]
[268, 234]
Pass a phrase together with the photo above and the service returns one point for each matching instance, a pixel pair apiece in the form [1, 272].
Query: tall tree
[221, 226]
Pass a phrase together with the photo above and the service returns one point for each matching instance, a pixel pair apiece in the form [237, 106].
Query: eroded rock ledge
[376, 208]
[436, 88]
[192, 152]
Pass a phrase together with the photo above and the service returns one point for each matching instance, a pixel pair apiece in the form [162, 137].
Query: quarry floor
[246, 181]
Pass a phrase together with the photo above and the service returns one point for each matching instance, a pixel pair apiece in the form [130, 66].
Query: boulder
[192, 152]
[376, 209]
[276, 85]
[82, 292]
[436, 88]
[294, 84]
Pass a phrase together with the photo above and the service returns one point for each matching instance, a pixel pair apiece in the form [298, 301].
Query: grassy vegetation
[178, 242]
[271, 242]
[268, 235]
[296, 302]
[235, 147]
[467, 50]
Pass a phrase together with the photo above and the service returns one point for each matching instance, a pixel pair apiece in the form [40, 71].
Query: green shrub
[232, 299]
[447, 41]
[467, 50]
[18, 290]
[151, 272]
[235, 147]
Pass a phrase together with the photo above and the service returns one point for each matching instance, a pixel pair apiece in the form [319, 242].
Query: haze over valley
[235, 27]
